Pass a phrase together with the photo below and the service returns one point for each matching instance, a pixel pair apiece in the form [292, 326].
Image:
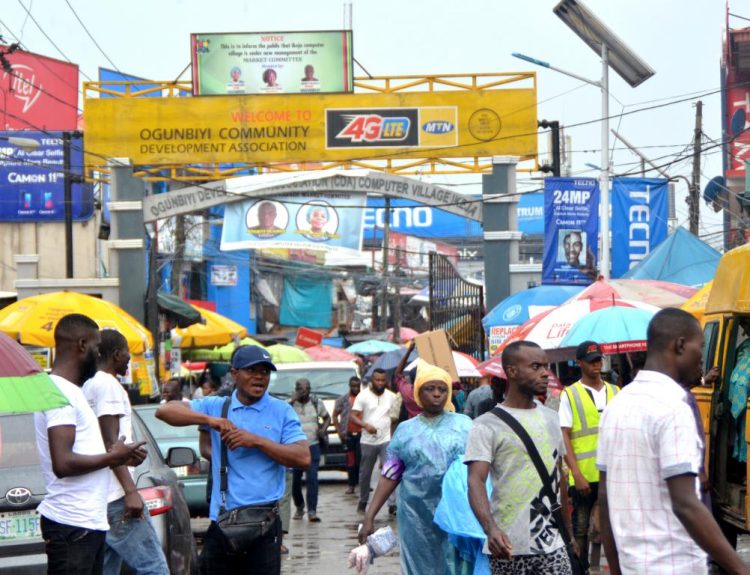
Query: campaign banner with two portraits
[324, 223]
[571, 231]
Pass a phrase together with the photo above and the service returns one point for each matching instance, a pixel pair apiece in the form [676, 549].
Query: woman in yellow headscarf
[419, 454]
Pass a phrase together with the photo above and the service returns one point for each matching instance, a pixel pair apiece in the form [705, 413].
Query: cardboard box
[433, 347]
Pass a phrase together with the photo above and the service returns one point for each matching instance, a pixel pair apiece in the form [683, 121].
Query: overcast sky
[680, 40]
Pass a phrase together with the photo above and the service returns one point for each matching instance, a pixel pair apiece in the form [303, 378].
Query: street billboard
[413, 253]
[571, 221]
[417, 219]
[32, 184]
[737, 107]
[639, 220]
[38, 93]
[299, 128]
[272, 62]
[324, 223]
[530, 212]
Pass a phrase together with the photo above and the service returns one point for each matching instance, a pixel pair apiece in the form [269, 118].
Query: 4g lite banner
[272, 63]
[325, 223]
[639, 220]
[571, 230]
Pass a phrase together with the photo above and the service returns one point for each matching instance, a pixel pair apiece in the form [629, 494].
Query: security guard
[581, 406]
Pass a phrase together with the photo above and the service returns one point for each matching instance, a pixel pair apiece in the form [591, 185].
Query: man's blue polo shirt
[254, 478]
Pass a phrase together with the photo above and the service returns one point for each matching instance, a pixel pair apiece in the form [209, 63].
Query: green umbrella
[281, 353]
[221, 353]
[24, 387]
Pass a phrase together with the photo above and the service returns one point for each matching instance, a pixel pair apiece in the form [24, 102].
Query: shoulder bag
[244, 525]
[576, 564]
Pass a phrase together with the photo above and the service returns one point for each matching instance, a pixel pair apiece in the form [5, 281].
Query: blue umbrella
[611, 325]
[514, 310]
[372, 347]
[390, 360]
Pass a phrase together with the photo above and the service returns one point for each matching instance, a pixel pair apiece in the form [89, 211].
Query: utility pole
[694, 197]
[384, 294]
[68, 181]
[397, 303]
[179, 254]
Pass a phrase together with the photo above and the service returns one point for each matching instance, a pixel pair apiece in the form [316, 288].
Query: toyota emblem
[18, 496]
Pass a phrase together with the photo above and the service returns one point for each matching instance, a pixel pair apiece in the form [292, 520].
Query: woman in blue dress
[419, 454]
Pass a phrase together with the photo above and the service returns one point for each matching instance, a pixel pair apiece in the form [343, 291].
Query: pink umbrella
[658, 293]
[405, 333]
[328, 353]
[465, 365]
[492, 366]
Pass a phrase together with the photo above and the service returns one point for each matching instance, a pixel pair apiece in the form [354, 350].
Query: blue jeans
[312, 482]
[72, 550]
[134, 541]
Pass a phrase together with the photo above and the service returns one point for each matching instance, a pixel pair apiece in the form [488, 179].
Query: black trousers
[353, 457]
[72, 550]
[263, 557]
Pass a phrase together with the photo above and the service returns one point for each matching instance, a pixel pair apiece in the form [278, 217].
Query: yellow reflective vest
[584, 434]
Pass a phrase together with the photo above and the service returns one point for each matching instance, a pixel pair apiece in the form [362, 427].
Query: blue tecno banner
[639, 220]
[32, 184]
[415, 219]
[571, 230]
[322, 223]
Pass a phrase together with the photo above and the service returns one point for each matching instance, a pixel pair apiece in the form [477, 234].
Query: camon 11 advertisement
[272, 63]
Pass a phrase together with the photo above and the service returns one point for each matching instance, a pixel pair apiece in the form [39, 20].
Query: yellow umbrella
[32, 320]
[217, 330]
[696, 305]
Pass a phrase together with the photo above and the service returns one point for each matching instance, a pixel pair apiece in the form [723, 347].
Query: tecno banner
[296, 128]
[38, 93]
[639, 220]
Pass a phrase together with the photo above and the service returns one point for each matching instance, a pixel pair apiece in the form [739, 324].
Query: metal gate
[457, 306]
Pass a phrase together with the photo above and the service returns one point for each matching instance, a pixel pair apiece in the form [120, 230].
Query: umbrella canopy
[492, 366]
[548, 329]
[180, 312]
[390, 360]
[220, 353]
[658, 293]
[524, 305]
[372, 347]
[405, 333]
[217, 330]
[281, 353]
[465, 365]
[32, 320]
[617, 329]
[696, 305]
[24, 387]
[328, 353]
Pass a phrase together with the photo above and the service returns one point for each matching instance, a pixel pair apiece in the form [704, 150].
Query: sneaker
[349, 490]
[299, 513]
[284, 550]
[361, 507]
[392, 510]
[313, 517]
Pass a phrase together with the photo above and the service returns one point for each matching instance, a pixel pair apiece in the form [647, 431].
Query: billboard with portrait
[272, 63]
[322, 223]
[571, 222]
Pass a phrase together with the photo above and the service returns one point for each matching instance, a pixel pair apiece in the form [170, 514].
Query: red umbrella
[658, 293]
[328, 353]
[492, 366]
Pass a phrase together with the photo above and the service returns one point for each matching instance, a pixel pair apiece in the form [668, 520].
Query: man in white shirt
[131, 536]
[73, 459]
[652, 518]
[371, 411]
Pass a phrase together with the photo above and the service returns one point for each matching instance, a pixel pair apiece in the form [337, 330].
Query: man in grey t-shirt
[522, 535]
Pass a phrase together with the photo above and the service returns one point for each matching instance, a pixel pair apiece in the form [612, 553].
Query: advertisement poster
[32, 184]
[413, 253]
[272, 63]
[571, 231]
[639, 220]
[498, 334]
[323, 223]
[222, 275]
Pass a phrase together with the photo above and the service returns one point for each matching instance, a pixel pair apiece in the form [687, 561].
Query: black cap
[589, 351]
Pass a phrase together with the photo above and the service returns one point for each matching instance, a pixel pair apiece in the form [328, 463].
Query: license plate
[20, 525]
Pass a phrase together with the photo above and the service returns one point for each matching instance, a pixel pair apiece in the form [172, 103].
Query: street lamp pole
[604, 175]
[69, 180]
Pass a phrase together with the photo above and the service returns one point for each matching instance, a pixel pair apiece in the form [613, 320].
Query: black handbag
[577, 565]
[244, 525]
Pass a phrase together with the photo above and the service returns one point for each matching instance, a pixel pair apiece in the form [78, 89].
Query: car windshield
[161, 430]
[325, 383]
[18, 441]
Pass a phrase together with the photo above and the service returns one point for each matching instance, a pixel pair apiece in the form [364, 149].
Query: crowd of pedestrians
[614, 468]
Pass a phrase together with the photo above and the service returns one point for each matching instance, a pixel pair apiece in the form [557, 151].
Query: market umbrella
[492, 366]
[179, 312]
[466, 366]
[390, 360]
[405, 333]
[281, 353]
[654, 292]
[217, 330]
[218, 353]
[328, 353]
[617, 329]
[696, 305]
[32, 320]
[523, 305]
[24, 387]
[372, 347]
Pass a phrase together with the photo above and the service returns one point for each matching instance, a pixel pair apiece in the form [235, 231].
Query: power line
[90, 35]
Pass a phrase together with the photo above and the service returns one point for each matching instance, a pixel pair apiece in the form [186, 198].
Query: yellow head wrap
[428, 372]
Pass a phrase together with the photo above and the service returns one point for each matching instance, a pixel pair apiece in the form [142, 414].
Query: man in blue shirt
[263, 436]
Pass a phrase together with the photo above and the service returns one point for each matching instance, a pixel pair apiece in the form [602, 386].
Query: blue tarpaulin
[682, 259]
[306, 302]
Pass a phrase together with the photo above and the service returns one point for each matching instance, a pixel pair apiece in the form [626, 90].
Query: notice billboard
[297, 128]
[639, 220]
[38, 93]
[571, 221]
[272, 63]
[32, 183]
[323, 223]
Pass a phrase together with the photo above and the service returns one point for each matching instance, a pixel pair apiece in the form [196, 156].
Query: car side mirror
[181, 457]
